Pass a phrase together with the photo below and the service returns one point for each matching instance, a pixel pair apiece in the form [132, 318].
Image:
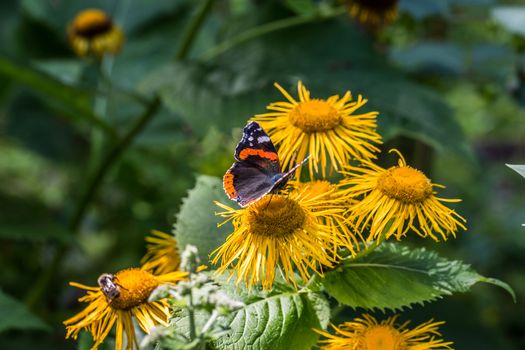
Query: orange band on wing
[247, 152]
[227, 183]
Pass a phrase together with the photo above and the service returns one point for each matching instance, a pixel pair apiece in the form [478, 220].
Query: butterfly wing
[257, 148]
[246, 183]
[257, 170]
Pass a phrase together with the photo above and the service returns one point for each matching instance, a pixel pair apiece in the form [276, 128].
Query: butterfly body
[257, 170]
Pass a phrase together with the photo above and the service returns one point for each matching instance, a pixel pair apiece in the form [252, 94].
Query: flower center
[382, 338]
[405, 184]
[275, 216]
[314, 115]
[135, 287]
[90, 23]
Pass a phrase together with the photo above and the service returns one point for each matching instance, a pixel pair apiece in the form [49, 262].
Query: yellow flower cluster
[306, 227]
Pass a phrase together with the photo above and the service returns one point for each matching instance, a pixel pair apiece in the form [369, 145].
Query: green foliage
[15, 315]
[205, 96]
[281, 319]
[394, 276]
[72, 101]
[196, 223]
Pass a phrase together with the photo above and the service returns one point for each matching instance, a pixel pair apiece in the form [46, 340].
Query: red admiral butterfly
[256, 171]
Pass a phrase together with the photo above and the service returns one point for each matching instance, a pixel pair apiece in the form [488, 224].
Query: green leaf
[405, 107]
[208, 96]
[15, 315]
[520, 169]
[74, 102]
[394, 276]
[282, 318]
[431, 57]
[282, 321]
[196, 221]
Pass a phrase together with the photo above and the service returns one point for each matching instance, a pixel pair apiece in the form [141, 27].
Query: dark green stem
[108, 161]
[192, 29]
[265, 29]
[41, 285]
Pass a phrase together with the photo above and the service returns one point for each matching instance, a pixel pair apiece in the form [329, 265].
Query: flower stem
[266, 28]
[104, 67]
[191, 313]
[192, 29]
[109, 160]
[41, 285]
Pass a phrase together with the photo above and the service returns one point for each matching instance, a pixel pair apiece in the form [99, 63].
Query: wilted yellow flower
[396, 200]
[116, 301]
[328, 130]
[367, 333]
[373, 13]
[162, 254]
[92, 32]
[288, 231]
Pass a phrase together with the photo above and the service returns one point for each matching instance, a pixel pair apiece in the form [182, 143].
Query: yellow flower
[328, 130]
[162, 255]
[92, 32]
[367, 333]
[396, 200]
[118, 299]
[280, 230]
[327, 191]
[373, 13]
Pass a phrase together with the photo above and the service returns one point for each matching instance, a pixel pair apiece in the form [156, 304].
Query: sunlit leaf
[394, 276]
[196, 222]
[282, 319]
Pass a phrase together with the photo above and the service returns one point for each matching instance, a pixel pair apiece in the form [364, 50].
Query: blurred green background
[447, 77]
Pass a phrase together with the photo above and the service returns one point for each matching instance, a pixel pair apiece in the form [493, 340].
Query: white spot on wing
[262, 139]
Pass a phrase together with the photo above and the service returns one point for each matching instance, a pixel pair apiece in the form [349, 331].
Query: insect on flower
[257, 170]
[108, 286]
